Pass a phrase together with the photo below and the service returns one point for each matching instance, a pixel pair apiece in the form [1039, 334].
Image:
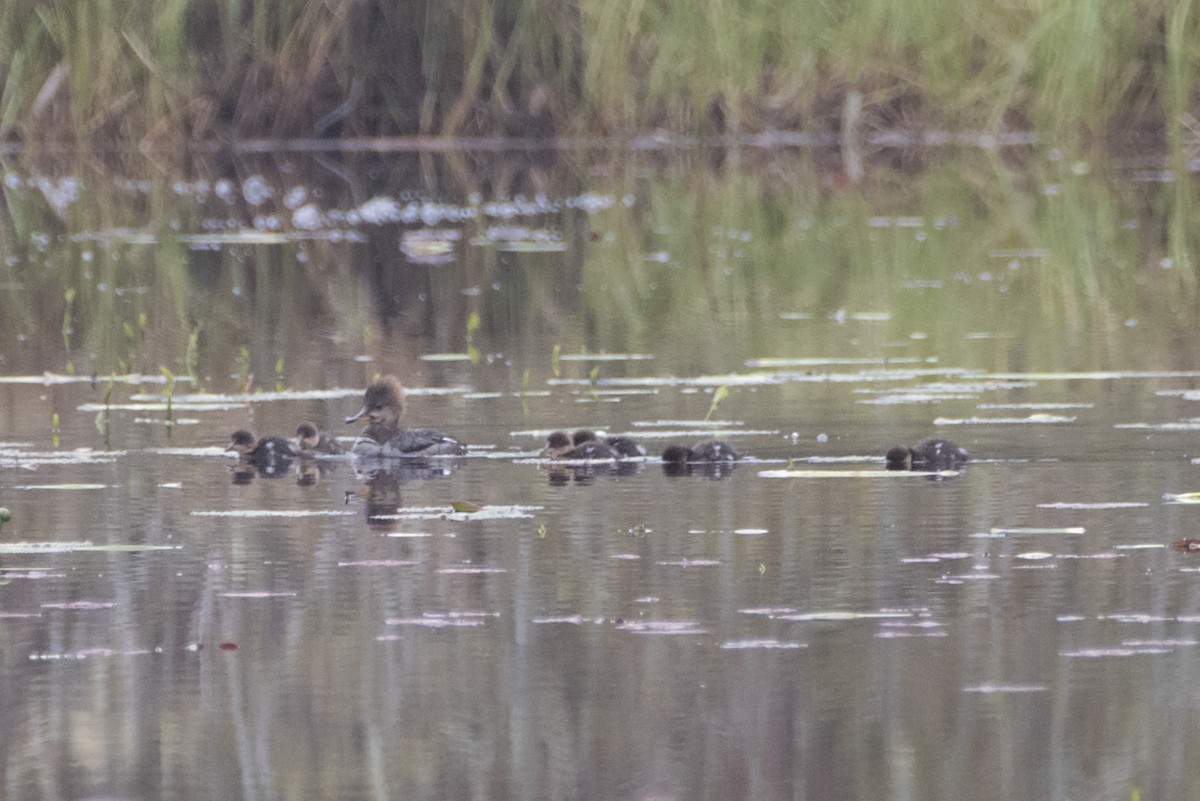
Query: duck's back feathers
[714, 450]
[625, 447]
[410, 442]
[938, 454]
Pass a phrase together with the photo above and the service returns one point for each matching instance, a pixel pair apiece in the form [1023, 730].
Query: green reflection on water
[935, 250]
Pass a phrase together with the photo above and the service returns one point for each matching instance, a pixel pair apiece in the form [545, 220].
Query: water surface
[806, 625]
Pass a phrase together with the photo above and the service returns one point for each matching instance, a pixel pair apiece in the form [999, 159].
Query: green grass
[161, 73]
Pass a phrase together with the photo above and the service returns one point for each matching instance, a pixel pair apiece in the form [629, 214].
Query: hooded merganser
[933, 454]
[709, 450]
[313, 442]
[383, 403]
[268, 452]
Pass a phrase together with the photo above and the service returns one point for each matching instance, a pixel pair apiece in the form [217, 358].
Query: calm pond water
[806, 625]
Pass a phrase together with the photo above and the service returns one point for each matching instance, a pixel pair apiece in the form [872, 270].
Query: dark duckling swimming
[933, 455]
[710, 450]
[383, 403]
[269, 454]
[312, 442]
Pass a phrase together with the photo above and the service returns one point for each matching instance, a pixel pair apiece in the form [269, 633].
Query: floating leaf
[1033, 530]
[272, 513]
[61, 486]
[851, 473]
[84, 546]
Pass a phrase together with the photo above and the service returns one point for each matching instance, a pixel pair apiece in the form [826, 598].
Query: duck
[933, 455]
[557, 445]
[583, 444]
[312, 442]
[267, 453]
[383, 403]
[709, 450]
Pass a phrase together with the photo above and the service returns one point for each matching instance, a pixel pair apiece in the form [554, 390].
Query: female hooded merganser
[710, 450]
[383, 404]
[313, 442]
[584, 445]
[933, 454]
[268, 452]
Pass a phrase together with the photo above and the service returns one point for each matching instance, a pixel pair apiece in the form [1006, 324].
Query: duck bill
[360, 414]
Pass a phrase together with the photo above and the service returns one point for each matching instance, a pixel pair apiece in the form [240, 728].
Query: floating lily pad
[1038, 530]
[61, 486]
[1033, 419]
[1106, 652]
[82, 546]
[286, 513]
[487, 512]
[762, 644]
[686, 627]
[1100, 505]
[852, 473]
[837, 616]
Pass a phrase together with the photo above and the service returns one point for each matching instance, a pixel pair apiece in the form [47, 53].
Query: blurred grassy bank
[160, 72]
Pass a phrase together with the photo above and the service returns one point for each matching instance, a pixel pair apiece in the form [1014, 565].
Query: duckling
[934, 455]
[383, 403]
[557, 445]
[267, 454]
[313, 442]
[710, 450]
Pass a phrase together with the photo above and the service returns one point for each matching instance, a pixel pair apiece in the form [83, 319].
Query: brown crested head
[383, 401]
[241, 441]
[584, 435]
[558, 439]
[676, 454]
[306, 434]
[900, 458]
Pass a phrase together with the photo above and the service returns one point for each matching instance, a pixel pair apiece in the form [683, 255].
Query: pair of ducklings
[309, 442]
[933, 455]
[586, 444]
